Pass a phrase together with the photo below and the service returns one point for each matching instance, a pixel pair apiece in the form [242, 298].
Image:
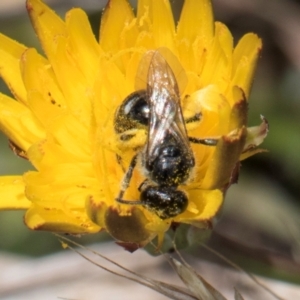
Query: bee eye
[136, 108]
[133, 112]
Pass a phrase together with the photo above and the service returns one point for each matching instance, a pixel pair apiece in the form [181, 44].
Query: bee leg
[126, 181]
[195, 118]
[119, 161]
[143, 185]
[207, 141]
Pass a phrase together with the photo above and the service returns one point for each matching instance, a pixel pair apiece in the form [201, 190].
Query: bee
[166, 159]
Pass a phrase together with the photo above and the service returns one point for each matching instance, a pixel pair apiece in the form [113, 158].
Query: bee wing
[171, 60]
[166, 119]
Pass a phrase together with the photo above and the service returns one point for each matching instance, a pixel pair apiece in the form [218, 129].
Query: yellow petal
[12, 193]
[156, 19]
[196, 19]
[41, 16]
[10, 54]
[218, 61]
[65, 129]
[66, 188]
[110, 89]
[214, 200]
[104, 164]
[128, 39]
[132, 67]
[47, 152]
[39, 78]
[143, 14]
[18, 123]
[239, 111]
[251, 152]
[225, 38]
[195, 32]
[206, 203]
[163, 26]
[83, 45]
[245, 56]
[117, 14]
[214, 108]
[224, 160]
[78, 96]
[38, 218]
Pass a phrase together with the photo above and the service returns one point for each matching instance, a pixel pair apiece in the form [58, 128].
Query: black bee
[167, 159]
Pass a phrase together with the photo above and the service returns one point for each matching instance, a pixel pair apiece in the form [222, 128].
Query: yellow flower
[63, 116]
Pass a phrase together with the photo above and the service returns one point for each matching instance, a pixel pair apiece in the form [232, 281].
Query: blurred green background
[259, 227]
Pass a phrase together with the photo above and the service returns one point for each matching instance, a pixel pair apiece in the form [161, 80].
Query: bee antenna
[129, 202]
